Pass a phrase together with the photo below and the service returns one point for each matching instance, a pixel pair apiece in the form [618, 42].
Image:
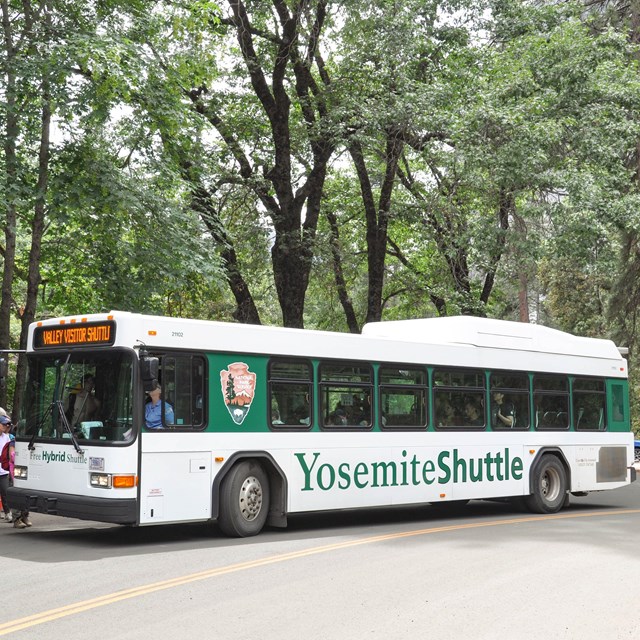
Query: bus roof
[452, 341]
[495, 334]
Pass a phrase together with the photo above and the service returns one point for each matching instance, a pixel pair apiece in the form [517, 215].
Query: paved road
[485, 571]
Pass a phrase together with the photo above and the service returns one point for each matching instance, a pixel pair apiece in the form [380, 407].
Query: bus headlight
[110, 481]
[100, 480]
[20, 472]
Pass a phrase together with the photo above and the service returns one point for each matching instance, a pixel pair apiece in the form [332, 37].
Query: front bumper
[116, 511]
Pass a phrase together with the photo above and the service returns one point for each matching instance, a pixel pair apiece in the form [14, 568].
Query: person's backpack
[5, 456]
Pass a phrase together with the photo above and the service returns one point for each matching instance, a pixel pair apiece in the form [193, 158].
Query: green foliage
[519, 124]
[113, 244]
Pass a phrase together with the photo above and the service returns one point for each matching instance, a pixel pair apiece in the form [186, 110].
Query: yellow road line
[85, 605]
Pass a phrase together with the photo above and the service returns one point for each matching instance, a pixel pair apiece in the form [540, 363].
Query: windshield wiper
[60, 384]
[65, 422]
[63, 418]
[38, 426]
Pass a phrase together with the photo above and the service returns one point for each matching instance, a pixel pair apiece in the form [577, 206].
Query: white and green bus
[256, 423]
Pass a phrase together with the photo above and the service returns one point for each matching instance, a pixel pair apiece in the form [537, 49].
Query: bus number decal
[238, 388]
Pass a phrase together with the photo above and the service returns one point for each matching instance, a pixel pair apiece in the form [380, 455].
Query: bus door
[176, 469]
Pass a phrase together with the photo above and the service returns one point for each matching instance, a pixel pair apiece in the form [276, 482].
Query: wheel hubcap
[550, 485]
[250, 498]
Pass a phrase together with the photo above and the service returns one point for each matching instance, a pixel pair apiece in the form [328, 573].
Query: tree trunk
[506, 208]
[11, 187]
[37, 231]
[341, 285]
[292, 251]
[377, 217]
[246, 310]
[523, 298]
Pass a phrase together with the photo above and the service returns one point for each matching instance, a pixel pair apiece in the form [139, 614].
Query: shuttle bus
[139, 420]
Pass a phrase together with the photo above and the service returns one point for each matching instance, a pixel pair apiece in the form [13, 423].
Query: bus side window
[403, 397]
[512, 411]
[588, 404]
[290, 394]
[183, 381]
[346, 391]
[551, 399]
[619, 403]
[453, 390]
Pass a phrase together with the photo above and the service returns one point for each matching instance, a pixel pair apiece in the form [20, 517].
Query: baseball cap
[5, 419]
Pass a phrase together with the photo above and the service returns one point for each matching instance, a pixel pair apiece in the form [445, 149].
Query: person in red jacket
[20, 519]
[7, 456]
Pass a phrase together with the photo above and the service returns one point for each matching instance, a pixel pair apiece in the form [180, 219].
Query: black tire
[549, 486]
[244, 500]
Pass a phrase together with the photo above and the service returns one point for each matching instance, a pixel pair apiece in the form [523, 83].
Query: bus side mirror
[149, 369]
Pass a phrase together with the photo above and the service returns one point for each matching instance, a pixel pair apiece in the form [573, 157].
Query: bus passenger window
[290, 394]
[551, 400]
[403, 397]
[589, 404]
[182, 379]
[453, 390]
[618, 404]
[509, 397]
[346, 390]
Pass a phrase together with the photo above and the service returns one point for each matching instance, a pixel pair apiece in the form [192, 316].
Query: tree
[29, 65]
[288, 106]
[59, 64]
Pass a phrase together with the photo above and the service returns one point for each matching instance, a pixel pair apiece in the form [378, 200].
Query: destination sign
[75, 335]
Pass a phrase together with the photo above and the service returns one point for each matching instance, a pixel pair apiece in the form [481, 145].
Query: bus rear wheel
[549, 486]
[244, 500]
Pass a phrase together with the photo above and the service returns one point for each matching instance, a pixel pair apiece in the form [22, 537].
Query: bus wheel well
[549, 482]
[552, 451]
[277, 516]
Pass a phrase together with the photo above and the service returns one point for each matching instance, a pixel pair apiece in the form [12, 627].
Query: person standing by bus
[7, 451]
[19, 518]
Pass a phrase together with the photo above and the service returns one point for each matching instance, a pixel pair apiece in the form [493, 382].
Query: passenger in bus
[82, 403]
[302, 414]
[502, 413]
[445, 413]
[337, 417]
[364, 411]
[154, 407]
[472, 417]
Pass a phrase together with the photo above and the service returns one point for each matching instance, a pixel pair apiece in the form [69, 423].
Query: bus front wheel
[244, 500]
[549, 486]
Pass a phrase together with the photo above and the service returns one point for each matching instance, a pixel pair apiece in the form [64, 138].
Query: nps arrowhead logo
[238, 388]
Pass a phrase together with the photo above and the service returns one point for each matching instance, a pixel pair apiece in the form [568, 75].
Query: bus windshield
[79, 395]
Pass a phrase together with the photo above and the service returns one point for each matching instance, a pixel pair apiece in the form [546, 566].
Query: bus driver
[153, 410]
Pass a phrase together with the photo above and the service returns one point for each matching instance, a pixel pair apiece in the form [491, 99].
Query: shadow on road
[57, 540]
